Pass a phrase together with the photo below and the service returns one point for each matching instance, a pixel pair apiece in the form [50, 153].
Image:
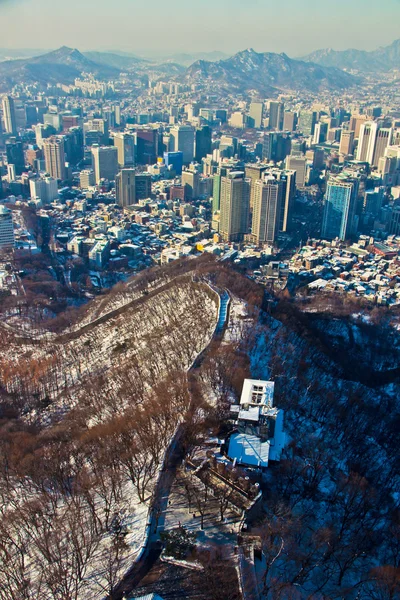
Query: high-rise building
[45, 189]
[9, 117]
[307, 122]
[99, 125]
[216, 192]
[191, 183]
[256, 114]
[143, 186]
[320, 133]
[54, 156]
[125, 144]
[268, 198]
[289, 121]
[339, 207]
[15, 156]
[394, 224]
[146, 146]
[276, 115]
[366, 141]
[125, 187]
[234, 202]
[276, 146]
[174, 160]
[346, 146]
[105, 162]
[86, 179]
[298, 163]
[6, 228]
[203, 142]
[254, 173]
[182, 139]
[382, 141]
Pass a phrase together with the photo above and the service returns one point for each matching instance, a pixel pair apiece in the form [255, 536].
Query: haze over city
[199, 300]
[293, 27]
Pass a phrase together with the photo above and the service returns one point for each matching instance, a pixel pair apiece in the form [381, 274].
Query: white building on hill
[259, 437]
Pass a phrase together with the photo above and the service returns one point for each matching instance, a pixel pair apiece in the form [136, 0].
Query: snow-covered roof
[251, 414]
[249, 450]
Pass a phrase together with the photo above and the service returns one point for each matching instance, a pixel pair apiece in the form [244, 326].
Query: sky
[296, 27]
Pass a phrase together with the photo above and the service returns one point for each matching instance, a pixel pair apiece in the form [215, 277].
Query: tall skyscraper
[125, 144]
[54, 156]
[86, 179]
[182, 139]
[9, 117]
[289, 121]
[339, 207]
[366, 141]
[276, 115]
[307, 122]
[276, 146]
[146, 146]
[125, 187]
[203, 142]
[254, 173]
[191, 183]
[105, 162]
[346, 146]
[143, 186]
[256, 114]
[6, 228]
[15, 156]
[298, 163]
[382, 141]
[234, 202]
[268, 198]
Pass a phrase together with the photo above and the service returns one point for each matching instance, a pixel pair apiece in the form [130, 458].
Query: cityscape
[199, 309]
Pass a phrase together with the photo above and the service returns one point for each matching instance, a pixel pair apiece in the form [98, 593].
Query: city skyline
[293, 31]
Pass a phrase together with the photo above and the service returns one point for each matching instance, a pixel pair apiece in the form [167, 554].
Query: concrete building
[276, 115]
[259, 436]
[256, 114]
[125, 188]
[86, 179]
[191, 183]
[6, 229]
[125, 144]
[143, 186]
[339, 207]
[268, 199]
[9, 117]
[105, 162]
[182, 140]
[299, 165]
[234, 206]
[54, 156]
[346, 146]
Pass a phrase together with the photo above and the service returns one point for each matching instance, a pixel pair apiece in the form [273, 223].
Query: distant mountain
[382, 59]
[16, 53]
[117, 61]
[188, 59]
[266, 73]
[62, 65]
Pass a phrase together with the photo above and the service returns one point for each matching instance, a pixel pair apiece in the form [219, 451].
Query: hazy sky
[292, 26]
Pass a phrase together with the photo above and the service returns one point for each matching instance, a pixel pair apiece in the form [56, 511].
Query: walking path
[174, 454]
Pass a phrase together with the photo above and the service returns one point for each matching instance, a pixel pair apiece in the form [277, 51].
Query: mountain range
[382, 59]
[265, 73]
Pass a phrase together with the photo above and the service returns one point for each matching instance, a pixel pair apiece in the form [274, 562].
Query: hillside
[62, 65]
[382, 59]
[267, 73]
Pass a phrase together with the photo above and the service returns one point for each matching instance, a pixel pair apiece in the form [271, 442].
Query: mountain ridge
[384, 58]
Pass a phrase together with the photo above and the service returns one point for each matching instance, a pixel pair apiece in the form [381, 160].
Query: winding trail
[174, 455]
